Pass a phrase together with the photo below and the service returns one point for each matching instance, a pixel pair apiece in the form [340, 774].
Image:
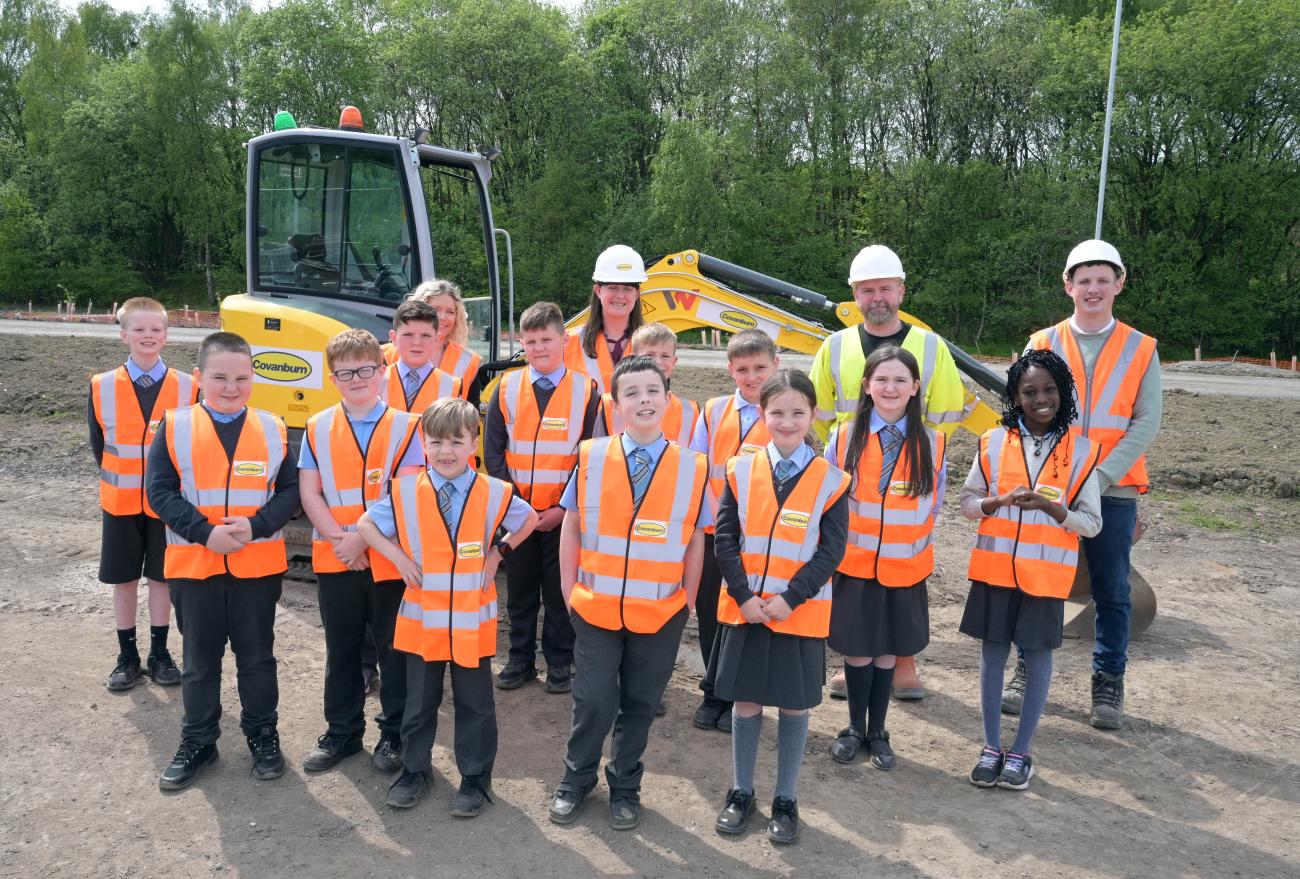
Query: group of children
[618, 508]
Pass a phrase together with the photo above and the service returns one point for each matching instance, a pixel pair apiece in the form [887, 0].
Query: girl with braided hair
[1033, 489]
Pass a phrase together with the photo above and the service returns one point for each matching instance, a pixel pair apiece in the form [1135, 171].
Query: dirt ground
[1204, 780]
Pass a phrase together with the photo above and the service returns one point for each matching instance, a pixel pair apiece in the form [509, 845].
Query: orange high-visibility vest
[460, 362]
[1108, 393]
[542, 448]
[353, 479]
[677, 426]
[128, 433]
[436, 385]
[631, 560]
[1028, 549]
[599, 369]
[218, 486]
[722, 423]
[891, 538]
[776, 541]
[449, 616]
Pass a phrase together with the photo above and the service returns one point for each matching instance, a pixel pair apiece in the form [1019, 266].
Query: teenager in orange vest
[414, 381]
[1033, 488]
[656, 341]
[613, 315]
[881, 609]
[438, 530]
[222, 480]
[630, 554]
[727, 426]
[125, 407]
[781, 530]
[535, 420]
[350, 453]
[1117, 372]
[450, 353]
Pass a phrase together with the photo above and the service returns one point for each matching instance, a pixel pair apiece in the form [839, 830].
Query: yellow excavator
[343, 223]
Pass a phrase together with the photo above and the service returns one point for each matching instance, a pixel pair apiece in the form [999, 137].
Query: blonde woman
[452, 356]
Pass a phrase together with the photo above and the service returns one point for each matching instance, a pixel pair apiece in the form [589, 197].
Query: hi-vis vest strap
[352, 479]
[450, 616]
[460, 362]
[542, 448]
[678, 423]
[599, 369]
[1027, 549]
[218, 486]
[630, 564]
[128, 433]
[1108, 393]
[722, 422]
[777, 540]
[840, 364]
[436, 385]
[891, 538]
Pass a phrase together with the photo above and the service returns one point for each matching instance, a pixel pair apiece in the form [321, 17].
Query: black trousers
[351, 603]
[474, 708]
[533, 582]
[619, 678]
[706, 610]
[208, 614]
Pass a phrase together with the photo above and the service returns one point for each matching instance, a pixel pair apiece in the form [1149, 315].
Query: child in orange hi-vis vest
[222, 480]
[414, 381]
[438, 529]
[350, 453]
[781, 530]
[630, 554]
[880, 609]
[727, 426]
[450, 353]
[125, 408]
[1033, 489]
[535, 420]
[656, 341]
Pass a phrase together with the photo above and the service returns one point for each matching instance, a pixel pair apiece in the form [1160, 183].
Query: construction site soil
[1204, 779]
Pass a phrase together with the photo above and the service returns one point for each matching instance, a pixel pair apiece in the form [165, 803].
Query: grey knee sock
[993, 661]
[1038, 680]
[791, 736]
[744, 748]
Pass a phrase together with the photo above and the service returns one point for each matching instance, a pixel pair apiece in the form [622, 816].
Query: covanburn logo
[153, 426]
[899, 488]
[281, 366]
[794, 520]
[555, 424]
[739, 320]
[374, 477]
[250, 468]
[649, 529]
[624, 266]
[1048, 492]
[469, 550]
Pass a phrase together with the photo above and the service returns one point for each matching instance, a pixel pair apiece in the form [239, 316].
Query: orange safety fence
[1282, 363]
[176, 317]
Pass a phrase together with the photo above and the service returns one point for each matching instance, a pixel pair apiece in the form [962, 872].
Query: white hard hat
[619, 264]
[876, 261]
[1093, 250]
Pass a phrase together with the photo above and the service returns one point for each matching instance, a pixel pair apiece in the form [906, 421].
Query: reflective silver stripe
[929, 357]
[461, 364]
[1038, 552]
[628, 588]
[182, 440]
[121, 480]
[396, 435]
[545, 447]
[108, 410]
[126, 453]
[322, 429]
[468, 620]
[1105, 401]
[275, 450]
[185, 390]
[316, 535]
[835, 358]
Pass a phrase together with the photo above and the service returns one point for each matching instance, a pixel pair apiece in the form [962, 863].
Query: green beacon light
[284, 121]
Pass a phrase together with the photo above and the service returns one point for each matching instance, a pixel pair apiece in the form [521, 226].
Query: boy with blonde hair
[656, 341]
[125, 406]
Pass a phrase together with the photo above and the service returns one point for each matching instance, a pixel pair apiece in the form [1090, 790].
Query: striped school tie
[640, 474]
[144, 381]
[444, 501]
[545, 384]
[784, 468]
[891, 443]
[412, 382]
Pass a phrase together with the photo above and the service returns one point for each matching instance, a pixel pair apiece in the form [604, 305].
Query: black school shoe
[515, 675]
[559, 679]
[783, 828]
[735, 812]
[190, 759]
[988, 769]
[388, 754]
[125, 673]
[848, 745]
[624, 809]
[882, 756]
[407, 790]
[474, 796]
[566, 805]
[268, 761]
[709, 713]
[162, 669]
[329, 751]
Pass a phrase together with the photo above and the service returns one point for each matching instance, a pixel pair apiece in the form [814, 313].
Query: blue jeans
[1108, 566]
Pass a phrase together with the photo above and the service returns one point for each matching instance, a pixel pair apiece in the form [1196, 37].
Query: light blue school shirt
[364, 428]
[158, 372]
[655, 448]
[385, 520]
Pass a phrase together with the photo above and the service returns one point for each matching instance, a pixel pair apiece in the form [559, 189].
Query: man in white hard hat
[1117, 375]
[876, 276]
[613, 315]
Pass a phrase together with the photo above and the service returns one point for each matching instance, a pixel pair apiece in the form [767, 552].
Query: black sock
[857, 680]
[126, 643]
[157, 638]
[882, 681]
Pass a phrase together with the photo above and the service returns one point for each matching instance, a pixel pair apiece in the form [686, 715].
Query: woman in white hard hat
[612, 317]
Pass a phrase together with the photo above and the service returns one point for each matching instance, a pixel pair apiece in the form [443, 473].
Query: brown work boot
[907, 683]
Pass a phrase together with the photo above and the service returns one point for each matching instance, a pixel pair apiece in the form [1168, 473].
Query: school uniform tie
[545, 384]
[640, 474]
[444, 501]
[891, 443]
[144, 381]
[412, 383]
[784, 469]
